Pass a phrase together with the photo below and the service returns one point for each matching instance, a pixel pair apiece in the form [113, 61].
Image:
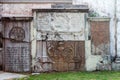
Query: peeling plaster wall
[103, 8]
[96, 62]
[91, 60]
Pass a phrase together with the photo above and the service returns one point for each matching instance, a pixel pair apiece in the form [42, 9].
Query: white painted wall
[118, 27]
[105, 8]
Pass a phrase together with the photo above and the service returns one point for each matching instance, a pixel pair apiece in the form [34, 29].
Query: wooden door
[62, 55]
[16, 45]
[100, 37]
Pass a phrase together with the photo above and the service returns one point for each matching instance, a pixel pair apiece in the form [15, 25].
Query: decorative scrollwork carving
[59, 50]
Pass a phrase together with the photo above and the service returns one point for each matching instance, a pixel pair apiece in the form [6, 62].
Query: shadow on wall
[1, 46]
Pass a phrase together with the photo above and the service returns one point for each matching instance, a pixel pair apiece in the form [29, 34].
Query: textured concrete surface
[9, 76]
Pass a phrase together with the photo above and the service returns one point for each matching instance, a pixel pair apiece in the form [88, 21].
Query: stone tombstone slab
[60, 35]
[61, 25]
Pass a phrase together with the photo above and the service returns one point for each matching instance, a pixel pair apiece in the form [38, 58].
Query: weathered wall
[21, 9]
[61, 26]
[118, 27]
[98, 58]
[103, 8]
[100, 36]
[55, 26]
[91, 60]
[100, 8]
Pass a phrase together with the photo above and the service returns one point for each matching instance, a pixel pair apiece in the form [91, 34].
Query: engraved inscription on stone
[17, 58]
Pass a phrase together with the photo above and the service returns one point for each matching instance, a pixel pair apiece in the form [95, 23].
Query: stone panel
[61, 26]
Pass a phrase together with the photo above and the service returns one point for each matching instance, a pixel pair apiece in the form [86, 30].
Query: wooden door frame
[16, 19]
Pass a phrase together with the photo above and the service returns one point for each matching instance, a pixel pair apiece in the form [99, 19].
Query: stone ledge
[98, 18]
[60, 10]
[36, 1]
[65, 8]
[69, 6]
